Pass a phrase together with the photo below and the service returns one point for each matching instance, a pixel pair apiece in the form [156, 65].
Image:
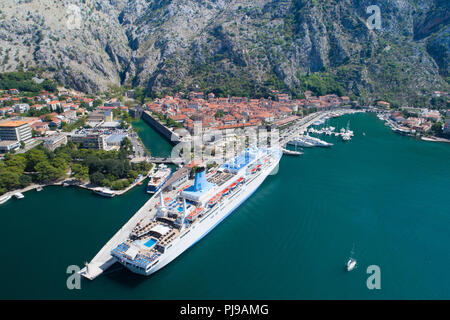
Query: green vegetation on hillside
[23, 81]
[321, 84]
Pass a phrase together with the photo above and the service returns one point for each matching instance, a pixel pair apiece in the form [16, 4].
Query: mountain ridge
[233, 47]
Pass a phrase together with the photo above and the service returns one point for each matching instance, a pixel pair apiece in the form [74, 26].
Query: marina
[309, 208]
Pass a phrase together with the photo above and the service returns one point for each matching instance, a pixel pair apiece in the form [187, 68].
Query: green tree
[436, 128]
[219, 114]
[97, 178]
[34, 157]
[16, 163]
[97, 103]
[80, 172]
[9, 180]
[126, 147]
[60, 163]
[48, 173]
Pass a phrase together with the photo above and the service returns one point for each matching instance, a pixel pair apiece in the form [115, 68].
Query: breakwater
[162, 129]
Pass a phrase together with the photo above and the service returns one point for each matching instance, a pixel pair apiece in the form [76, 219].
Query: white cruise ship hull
[209, 221]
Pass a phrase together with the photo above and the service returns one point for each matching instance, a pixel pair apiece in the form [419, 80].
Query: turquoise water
[158, 146]
[386, 194]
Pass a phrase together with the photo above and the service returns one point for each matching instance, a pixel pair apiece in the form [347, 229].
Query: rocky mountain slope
[232, 46]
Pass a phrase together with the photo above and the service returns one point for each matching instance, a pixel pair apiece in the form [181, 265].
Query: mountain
[235, 47]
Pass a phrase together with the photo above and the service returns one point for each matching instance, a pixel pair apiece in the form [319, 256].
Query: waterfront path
[32, 187]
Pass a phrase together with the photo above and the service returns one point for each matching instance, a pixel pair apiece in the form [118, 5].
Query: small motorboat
[19, 195]
[351, 264]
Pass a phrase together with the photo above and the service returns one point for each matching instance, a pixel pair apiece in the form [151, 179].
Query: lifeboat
[194, 214]
[213, 201]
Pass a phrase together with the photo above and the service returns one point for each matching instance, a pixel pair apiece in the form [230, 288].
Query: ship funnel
[200, 180]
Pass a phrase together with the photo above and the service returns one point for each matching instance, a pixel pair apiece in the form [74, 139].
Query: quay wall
[163, 130]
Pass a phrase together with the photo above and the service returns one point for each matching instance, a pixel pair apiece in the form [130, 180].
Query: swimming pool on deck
[150, 243]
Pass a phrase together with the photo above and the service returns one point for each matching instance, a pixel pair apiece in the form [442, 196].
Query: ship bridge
[240, 161]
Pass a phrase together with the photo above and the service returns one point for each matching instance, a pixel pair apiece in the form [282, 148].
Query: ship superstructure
[185, 215]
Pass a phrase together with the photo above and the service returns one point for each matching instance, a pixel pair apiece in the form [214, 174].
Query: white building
[8, 145]
[90, 141]
[55, 141]
[15, 130]
[21, 107]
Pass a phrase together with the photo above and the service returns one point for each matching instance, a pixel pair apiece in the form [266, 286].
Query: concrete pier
[103, 260]
[171, 136]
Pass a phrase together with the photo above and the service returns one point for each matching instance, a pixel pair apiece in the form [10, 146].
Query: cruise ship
[158, 178]
[185, 215]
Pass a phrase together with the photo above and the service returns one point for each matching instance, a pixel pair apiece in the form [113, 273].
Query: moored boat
[105, 192]
[3, 199]
[351, 264]
[19, 195]
[158, 179]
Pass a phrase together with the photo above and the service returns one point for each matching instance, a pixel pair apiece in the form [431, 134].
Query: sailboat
[351, 263]
[346, 133]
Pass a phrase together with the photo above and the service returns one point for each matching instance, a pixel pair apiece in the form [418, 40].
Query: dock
[300, 127]
[103, 259]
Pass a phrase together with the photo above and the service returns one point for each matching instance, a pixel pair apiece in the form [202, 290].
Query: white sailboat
[351, 263]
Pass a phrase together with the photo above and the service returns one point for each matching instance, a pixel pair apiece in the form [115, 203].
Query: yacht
[346, 134]
[158, 179]
[351, 264]
[300, 142]
[316, 142]
[3, 199]
[105, 192]
[19, 195]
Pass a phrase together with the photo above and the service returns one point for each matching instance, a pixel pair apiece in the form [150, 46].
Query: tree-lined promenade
[110, 169]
